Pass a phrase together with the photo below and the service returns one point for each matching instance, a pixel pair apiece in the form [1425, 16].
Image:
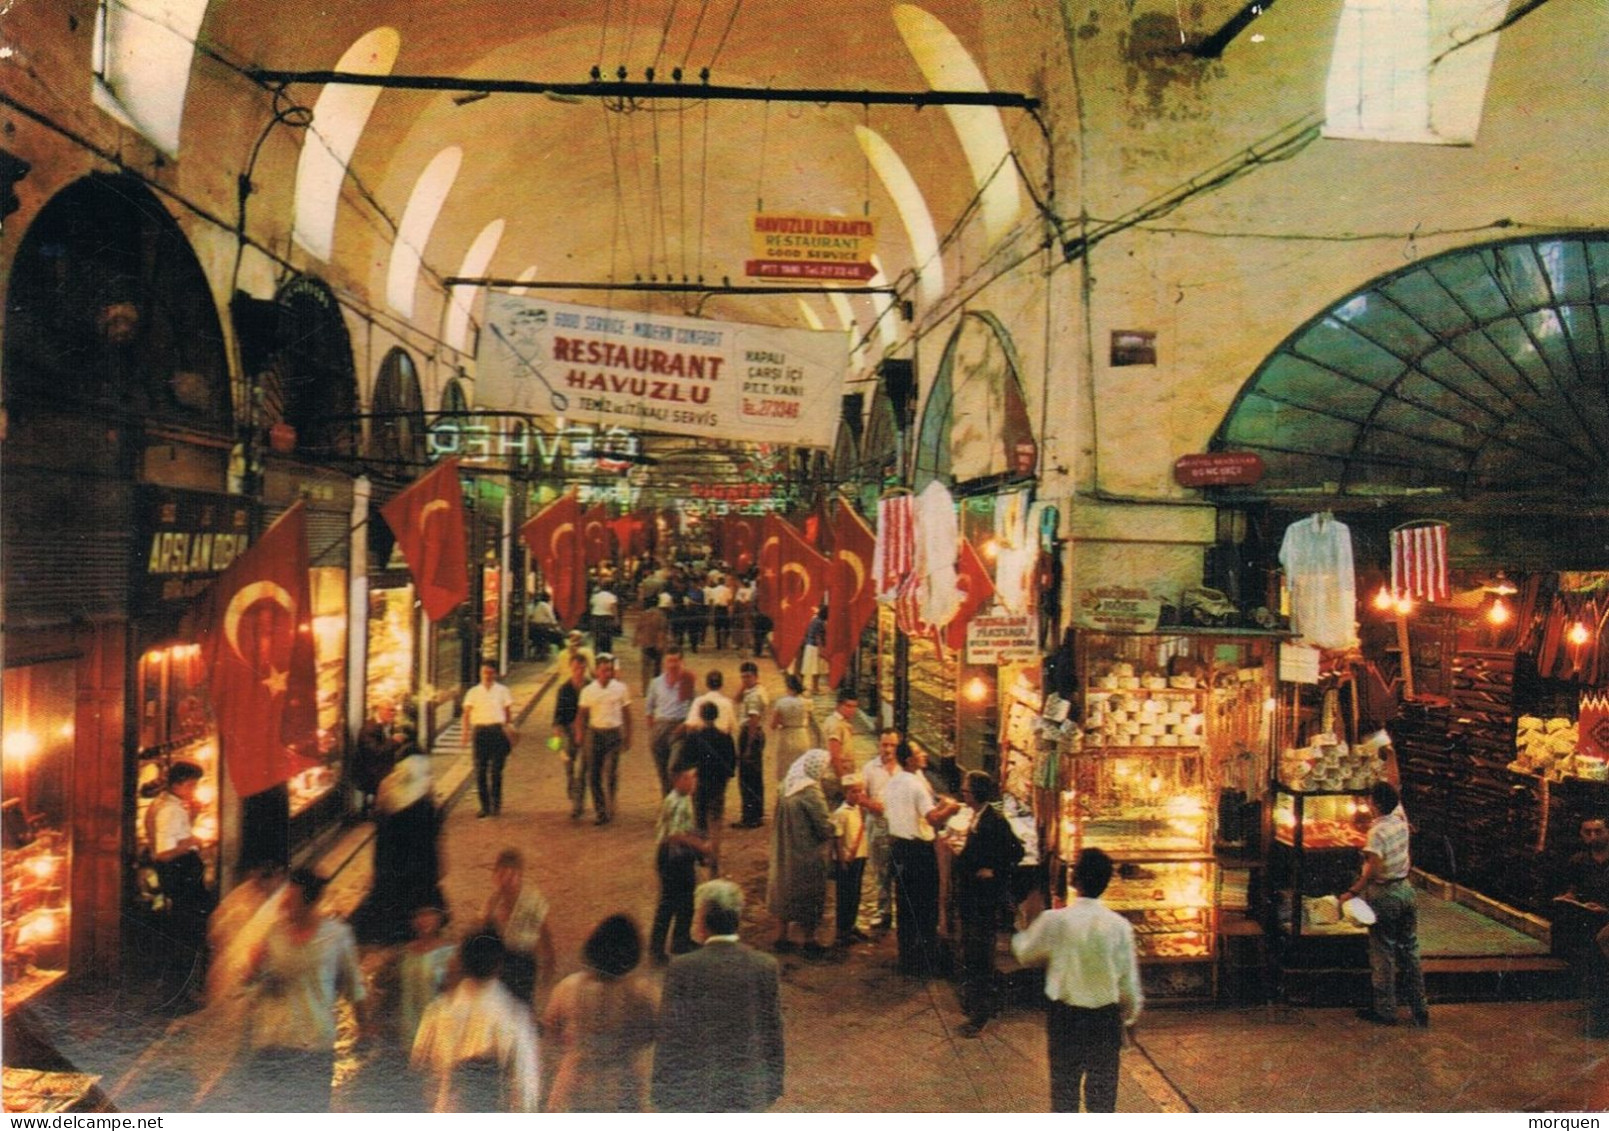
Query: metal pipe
[622, 89]
[664, 288]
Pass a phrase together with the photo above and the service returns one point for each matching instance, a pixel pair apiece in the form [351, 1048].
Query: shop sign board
[662, 373]
[808, 246]
[1218, 469]
[1298, 663]
[1118, 609]
[184, 540]
[1004, 638]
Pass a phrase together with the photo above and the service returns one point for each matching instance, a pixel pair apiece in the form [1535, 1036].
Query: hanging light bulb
[1578, 634]
[1384, 601]
[1498, 613]
[1402, 605]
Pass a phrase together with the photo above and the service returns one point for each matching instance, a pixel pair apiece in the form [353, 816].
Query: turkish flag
[765, 595]
[553, 535]
[627, 530]
[853, 600]
[595, 534]
[738, 542]
[428, 520]
[258, 652]
[801, 589]
[972, 578]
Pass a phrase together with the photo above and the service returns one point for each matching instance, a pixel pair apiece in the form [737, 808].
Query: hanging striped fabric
[1419, 562]
[894, 558]
[908, 601]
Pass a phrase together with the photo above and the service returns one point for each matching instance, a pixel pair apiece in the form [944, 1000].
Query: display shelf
[1315, 850]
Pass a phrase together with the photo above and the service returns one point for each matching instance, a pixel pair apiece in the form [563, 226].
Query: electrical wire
[737, 6]
[703, 9]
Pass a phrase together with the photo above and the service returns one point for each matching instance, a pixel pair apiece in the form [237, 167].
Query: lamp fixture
[1578, 634]
[1383, 600]
[1499, 612]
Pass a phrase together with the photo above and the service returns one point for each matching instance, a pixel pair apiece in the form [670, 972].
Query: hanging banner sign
[1118, 609]
[1218, 469]
[1003, 639]
[800, 246]
[662, 373]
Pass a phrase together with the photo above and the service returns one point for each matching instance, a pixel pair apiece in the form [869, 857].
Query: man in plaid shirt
[1394, 936]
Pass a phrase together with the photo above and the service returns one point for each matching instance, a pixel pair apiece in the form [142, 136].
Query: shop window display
[175, 726]
[328, 585]
[35, 856]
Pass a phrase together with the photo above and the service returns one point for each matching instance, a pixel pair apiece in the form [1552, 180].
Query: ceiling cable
[737, 6]
[703, 10]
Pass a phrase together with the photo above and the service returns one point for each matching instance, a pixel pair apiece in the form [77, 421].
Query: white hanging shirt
[1317, 557]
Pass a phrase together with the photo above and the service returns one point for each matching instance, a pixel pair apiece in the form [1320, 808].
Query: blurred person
[517, 913]
[375, 754]
[477, 1046]
[602, 1021]
[305, 961]
[604, 616]
[407, 850]
[422, 970]
[176, 855]
[726, 717]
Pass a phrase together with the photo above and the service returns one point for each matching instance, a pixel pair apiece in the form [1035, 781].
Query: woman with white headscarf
[800, 833]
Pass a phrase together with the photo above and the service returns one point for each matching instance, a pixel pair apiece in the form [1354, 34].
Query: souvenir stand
[1165, 768]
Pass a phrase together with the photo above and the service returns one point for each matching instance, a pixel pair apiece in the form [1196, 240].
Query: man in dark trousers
[567, 729]
[720, 1019]
[1394, 934]
[1092, 981]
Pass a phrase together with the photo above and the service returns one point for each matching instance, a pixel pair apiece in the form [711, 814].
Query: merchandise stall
[1168, 749]
[36, 850]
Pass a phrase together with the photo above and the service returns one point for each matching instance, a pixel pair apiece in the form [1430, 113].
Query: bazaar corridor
[861, 1037]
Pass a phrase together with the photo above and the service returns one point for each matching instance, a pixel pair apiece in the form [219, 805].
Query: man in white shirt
[1093, 983]
[719, 598]
[604, 610]
[725, 711]
[913, 815]
[878, 909]
[606, 728]
[488, 719]
[175, 851]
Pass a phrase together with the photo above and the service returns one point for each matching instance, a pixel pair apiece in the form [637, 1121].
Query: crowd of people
[462, 1018]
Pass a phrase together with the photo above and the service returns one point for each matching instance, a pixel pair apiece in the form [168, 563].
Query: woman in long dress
[407, 854]
[303, 964]
[791, 719]
[800, 834]
[602, 1020]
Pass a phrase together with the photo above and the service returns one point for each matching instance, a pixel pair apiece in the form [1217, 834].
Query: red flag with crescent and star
[595, 534]
[852, 599]
[627, 530]
[765, 594]
[738, 542]
[553, 535]
[972, 578]
[428, 520]
[258, 653]
[801, 588]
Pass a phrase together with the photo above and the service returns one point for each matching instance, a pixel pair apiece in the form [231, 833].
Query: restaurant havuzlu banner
[662, 373]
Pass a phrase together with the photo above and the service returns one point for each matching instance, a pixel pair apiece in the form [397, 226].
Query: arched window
[397, 431]
[110, 311]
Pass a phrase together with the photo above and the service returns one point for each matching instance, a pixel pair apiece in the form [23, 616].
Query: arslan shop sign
[688, 376]
[793, 246]
[186, 538]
